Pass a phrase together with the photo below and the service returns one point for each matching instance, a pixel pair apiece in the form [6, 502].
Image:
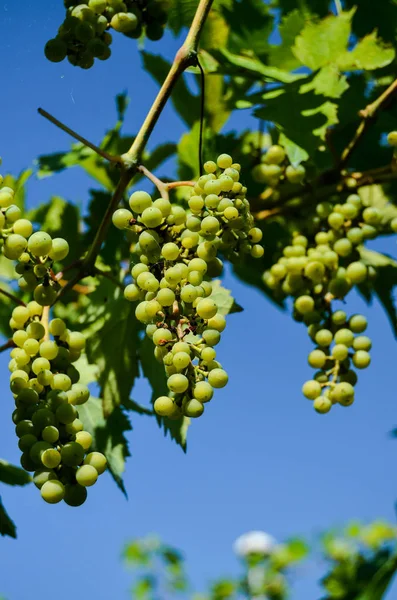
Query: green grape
[52, 491]
[181, 360]
[50, 434]
[59, 250]
[206, 308]
[75, 495]
[178, 383]
[57, 327]
[344, 336]
[26, 442]
[124, 22]
[340, 352]
[14, 246]
[41, 476]
[322, 404]
[55, 50]
[84, 438]
[139, 201]
[218, 378]
[361, 359]
[45, 295]
[165, 297]
[356, 272]
[372, 216]
[317, 359]
[311, 389]
[358, 323]
[43, 417]
[323, 337]
[211, 337]
[152, 217]
[48, 349]
[203, 391]
[339, 317]
[66, 413]
[304, 304]
[193, 408]
[86, 475]
[37, 450]
[343, 393]
[76, 341]
[162, 337]
[132, 292]
[295, 174]
[362, 342]
[72, 454]
[51, 458]
[343, 247]
[169, 251]
[97, 460]
[392, 138]
[40, 244]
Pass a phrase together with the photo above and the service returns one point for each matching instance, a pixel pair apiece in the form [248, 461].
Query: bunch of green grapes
[275, 168]
[176, 259]
[35, 252]
[317, 269]
[45, 385]
[84, 35]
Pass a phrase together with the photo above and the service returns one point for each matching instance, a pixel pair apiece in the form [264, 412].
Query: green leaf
[369, 54]
[329, 82]
[224, 299]
[154, 373]
[112, 345]
[12, 475]
[385, 283]
[380, 582]
[108, 436]
[188, 163]
[322, 42]
[295, 153]
[251, 23]
[7, 526]
[114, 243]
[281, 56]
[80, 156]
[247, 66]
[297, 549]
[185, 103]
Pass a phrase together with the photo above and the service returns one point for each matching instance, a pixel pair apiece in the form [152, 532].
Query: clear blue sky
[259, 459]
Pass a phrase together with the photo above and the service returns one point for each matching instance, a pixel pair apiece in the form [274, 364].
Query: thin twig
[176, 184]
[160, 185]
[202, 109]
[367, 116]
[74, 134]
[12, 297]
[109, 276]
[7, 345]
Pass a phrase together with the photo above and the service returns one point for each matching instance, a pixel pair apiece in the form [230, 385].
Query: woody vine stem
[129, 162]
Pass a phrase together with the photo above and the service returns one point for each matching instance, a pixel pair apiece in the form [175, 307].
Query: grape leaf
[281, 55]
[250, 23]
[12, 475]
[7, 526]
[109, 436]
[369, 54]
[112, 343]
[322, 42]
[385, 283]
[154, 373]
[223, 297]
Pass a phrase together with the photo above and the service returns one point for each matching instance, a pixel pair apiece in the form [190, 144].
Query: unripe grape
[124, 22]
[224, 161]
[23, 227]
[162, 336]
[97, 460]
[304, 304]
[311, 389]
[14, 246]
[316, 359]
[66, 413]
[50, 434]
[206, 308]
[295, 174]
[203, 391]
[218, 378]
[362, 342]
[52, 491]
[86, 475]
[139, 201]
[340, 352]
[178, 383]
[193, 408]
[322, 404]
[55, 50]
[75, 495]
[344, 336]
[343, 393]
[358, 323]
[72, 454]
[361, 359]
[356, 272]
[51, 458]
[165, 406]
[41, 476]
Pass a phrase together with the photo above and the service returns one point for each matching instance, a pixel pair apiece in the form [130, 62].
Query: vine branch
[13, 298]
[7, 345]
[77, 136]
[367, 115]
[185, 57]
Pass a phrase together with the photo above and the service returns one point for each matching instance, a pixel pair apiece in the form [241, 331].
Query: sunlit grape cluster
[275, 168]
[45, 385]
[35, 252]
[84, 35]
[176, 256]
[317, 269]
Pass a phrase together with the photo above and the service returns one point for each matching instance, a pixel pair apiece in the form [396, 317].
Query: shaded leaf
[7, 526]
[12, 475]
[109, 436]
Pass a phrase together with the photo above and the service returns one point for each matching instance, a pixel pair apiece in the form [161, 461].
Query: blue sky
[260, 458]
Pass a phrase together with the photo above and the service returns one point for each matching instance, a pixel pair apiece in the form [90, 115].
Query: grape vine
[175, 257]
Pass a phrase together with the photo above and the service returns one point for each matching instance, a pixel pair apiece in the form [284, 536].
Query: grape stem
[160, 185]
[13, 298]
[367, 115]
[45, 317]
[184, 58]
[9, 344]
[77, 136]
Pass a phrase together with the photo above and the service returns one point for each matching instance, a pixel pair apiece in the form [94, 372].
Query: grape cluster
[45, 385]
[35, 252]
[177, 257]
[275, 168]
[317, 269]
[84, 35]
